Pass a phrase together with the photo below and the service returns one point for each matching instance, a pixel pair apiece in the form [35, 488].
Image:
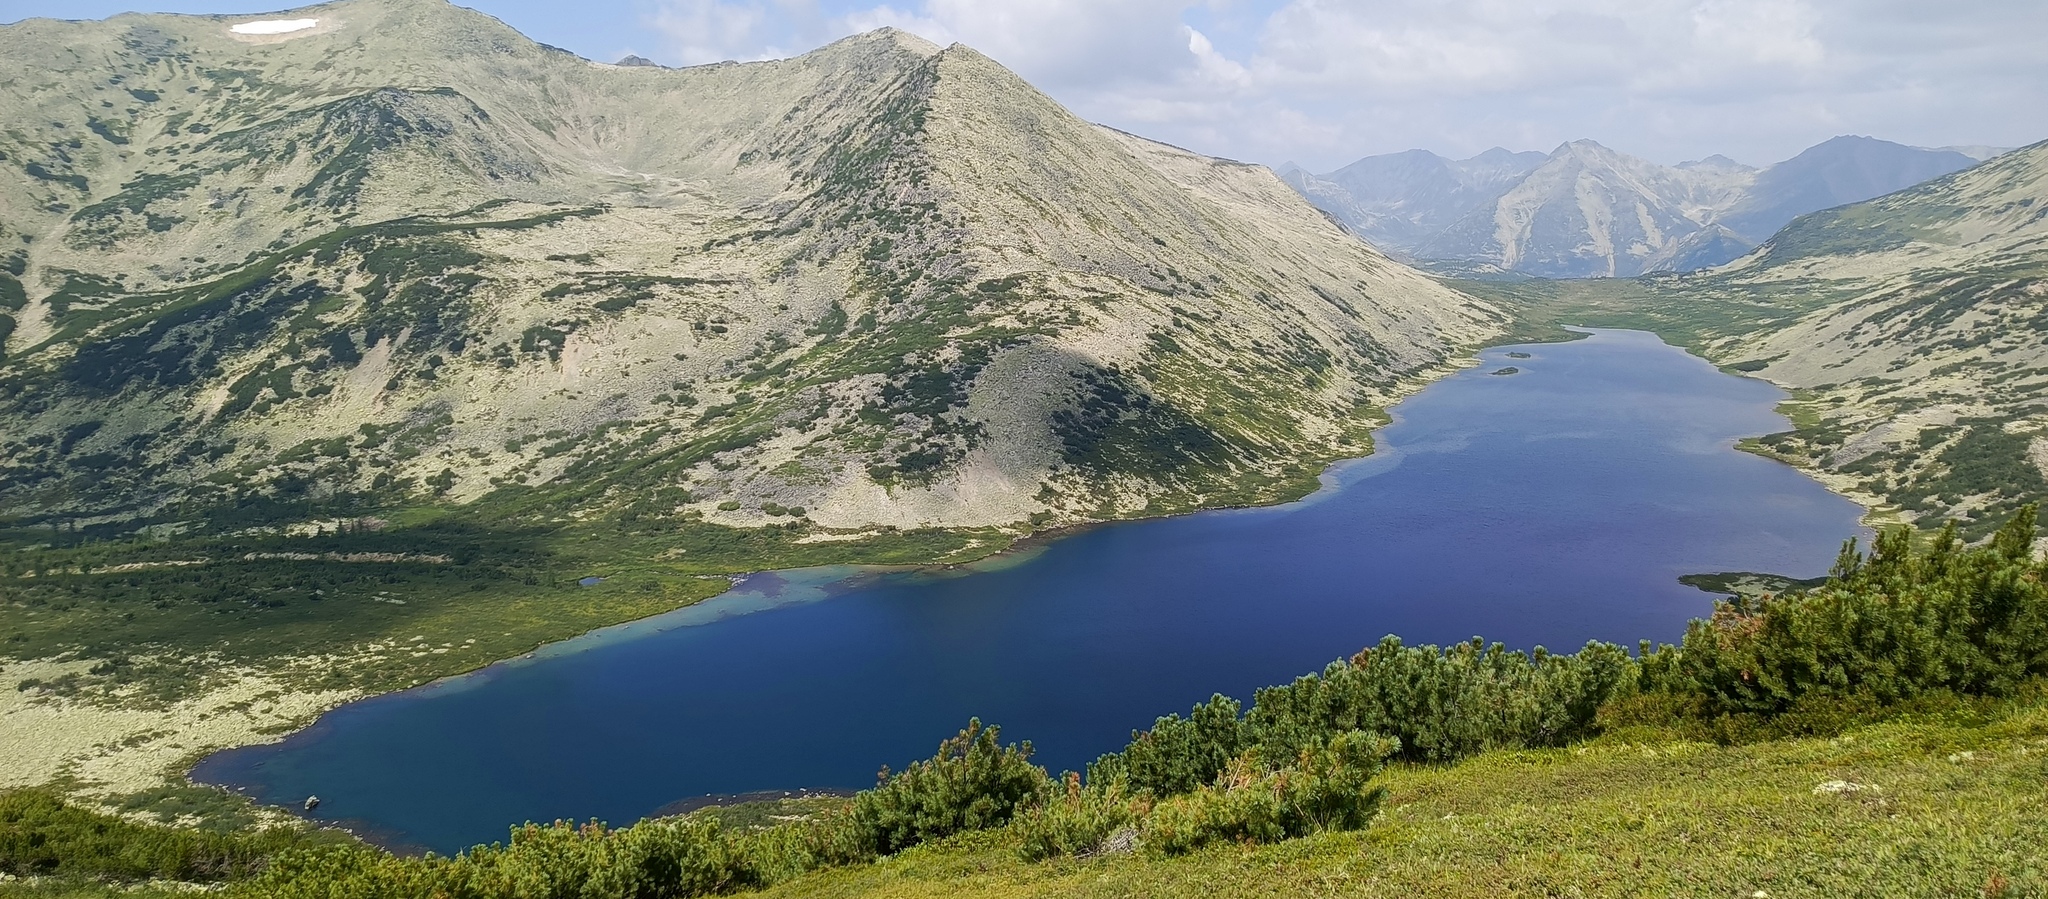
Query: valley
[397, 410]
[1906, 327]
[352, 348]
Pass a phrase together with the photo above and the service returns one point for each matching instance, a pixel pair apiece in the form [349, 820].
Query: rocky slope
[406, 256]
[1588, 211]
[1914, 330]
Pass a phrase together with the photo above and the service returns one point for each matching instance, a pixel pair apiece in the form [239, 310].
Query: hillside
[410, 256]
[343, 357]
[1939, 807]
[1588, 211]
[1911, 329]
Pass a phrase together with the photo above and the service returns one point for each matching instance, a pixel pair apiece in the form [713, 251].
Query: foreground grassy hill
[1941, 805]
[1944, 803]
[1912, 330]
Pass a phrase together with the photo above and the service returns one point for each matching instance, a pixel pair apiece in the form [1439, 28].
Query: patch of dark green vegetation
[41, 835]
[41, 172]
[100, 224]
[1117, 426]
[111, 132]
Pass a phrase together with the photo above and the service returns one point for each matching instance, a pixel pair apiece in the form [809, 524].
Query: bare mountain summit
[403, 255]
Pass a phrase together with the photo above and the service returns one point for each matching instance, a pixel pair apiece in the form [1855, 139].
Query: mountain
[1837, 171]
[1398, 201]
[1588, 211]
[1913, 330]
[405, 257]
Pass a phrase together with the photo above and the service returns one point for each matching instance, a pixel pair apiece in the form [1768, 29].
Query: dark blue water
[1552, 506]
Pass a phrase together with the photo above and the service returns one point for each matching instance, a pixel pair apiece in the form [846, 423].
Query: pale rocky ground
[102, 748]
[707, 292]
[880, 177]
[1923, 319]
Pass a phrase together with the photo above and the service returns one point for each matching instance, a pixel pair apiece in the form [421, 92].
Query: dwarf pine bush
[1889, 627]
[1327, 787]
[1074, 820]
[973, 783]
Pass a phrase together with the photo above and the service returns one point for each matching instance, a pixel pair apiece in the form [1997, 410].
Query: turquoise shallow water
[1551, 506]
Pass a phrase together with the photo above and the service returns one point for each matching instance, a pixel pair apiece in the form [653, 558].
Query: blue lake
[1552, 506]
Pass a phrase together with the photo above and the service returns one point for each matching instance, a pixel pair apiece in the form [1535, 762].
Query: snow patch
[274, 26]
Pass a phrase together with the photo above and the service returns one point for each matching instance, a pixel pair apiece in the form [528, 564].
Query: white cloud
[1325, 81]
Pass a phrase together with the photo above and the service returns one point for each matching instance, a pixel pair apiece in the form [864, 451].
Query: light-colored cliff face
[406, 255]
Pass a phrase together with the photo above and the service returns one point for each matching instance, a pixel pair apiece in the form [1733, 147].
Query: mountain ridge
[883, 283]
[1584, 210]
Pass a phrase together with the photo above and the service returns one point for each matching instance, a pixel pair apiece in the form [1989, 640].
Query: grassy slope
[1949, 806]
[1952, 808]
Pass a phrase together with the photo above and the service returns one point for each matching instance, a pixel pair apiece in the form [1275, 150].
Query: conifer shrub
[42, 835]
[1327, 787]
[973, 783]
[1076, 820]
[1895, 625]
[1178, 754]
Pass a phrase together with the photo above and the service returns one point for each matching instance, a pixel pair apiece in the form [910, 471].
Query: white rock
[274, 26]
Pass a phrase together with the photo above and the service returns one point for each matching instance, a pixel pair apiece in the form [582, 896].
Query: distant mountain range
[1584, 210]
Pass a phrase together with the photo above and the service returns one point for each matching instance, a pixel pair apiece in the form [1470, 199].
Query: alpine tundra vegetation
[332, 354]
[358, 345]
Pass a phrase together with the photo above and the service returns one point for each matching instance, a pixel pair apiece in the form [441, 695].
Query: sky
[1324, 82]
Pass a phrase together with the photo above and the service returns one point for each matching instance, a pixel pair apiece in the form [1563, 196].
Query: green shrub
[973, 783]
[1074, 822]
[1178, 754]
[41, 834]
[1446, 704]
[1886, 628]
[1326, 788]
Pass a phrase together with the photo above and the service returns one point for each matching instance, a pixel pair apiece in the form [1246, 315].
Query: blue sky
[1323, 82]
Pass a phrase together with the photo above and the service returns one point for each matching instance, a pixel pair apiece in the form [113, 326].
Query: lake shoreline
[308, 707]
[1334, 479]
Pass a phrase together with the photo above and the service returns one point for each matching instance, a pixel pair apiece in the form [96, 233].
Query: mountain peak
[1714, 163]
[896, 38]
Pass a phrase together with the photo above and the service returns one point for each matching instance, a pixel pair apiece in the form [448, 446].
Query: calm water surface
[1552, 506]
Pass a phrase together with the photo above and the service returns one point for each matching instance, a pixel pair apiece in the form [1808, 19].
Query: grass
[477, 594]
[1941, 801]
[1949, 805]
